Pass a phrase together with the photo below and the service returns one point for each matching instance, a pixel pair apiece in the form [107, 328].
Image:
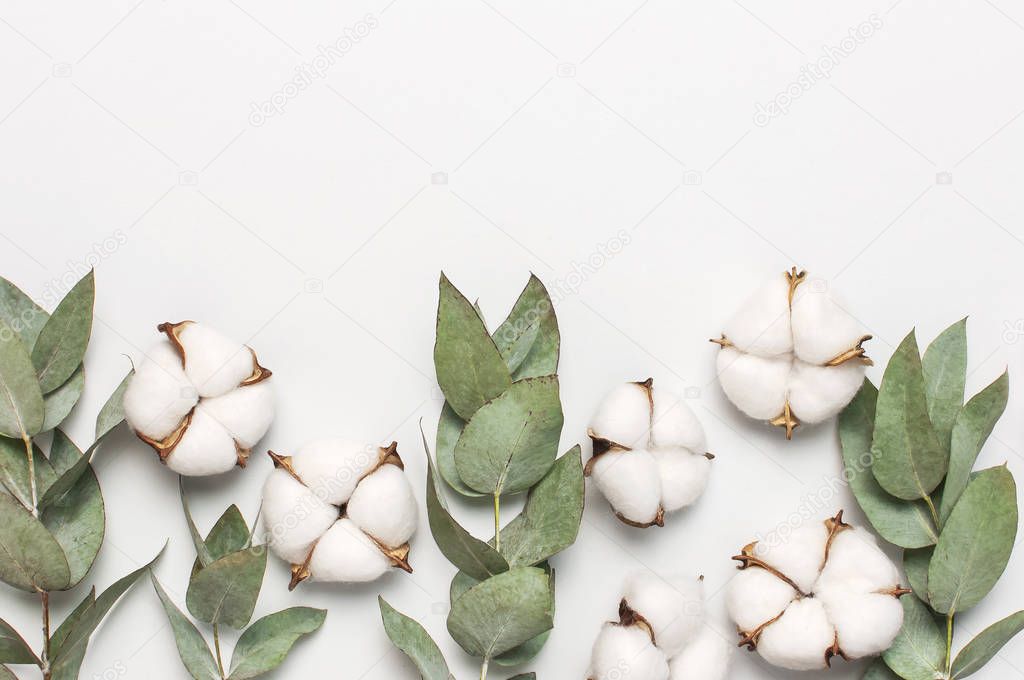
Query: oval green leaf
[976, 542]
[77, 519]
[21, 401]
[13, 648]
[449, 429]
[192, 648]
[469, 367]
[528, 338]
[415, 642]
[61, 344]
[18, 311]
[919, 650]
[57, 405]
[915, 566]
[903, 523]
[30, 558]
[511, 442]
[879, 671]
[945, 374]
[14, 470]
[229, 534]
[909, 462]
[974, 423]
[266, 643]
[226, 591]
[503, 612]
[986, 645]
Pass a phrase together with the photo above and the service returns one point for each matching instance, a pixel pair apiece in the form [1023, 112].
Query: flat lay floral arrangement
[342, 508]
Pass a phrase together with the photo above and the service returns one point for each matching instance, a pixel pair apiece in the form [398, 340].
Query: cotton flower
[660, 635]
[792, 354]
[649, 453]
[827, 591]
[201, 400]
[339, 511]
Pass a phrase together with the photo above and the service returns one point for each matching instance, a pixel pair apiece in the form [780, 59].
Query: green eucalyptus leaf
[945, 374]
[14, 470]
[986, 645]
[976, 542]
[550, 520]
[461, 582]
[7, 674]
[61, 344]
[906, 524]
[974, 423]
[524, 676]
[202, 551]
[21, 400]
[915, 565]
[68, 478]
[415, 642]
[511, 442]
[30, 558]
[525, 652]
[64, 629]
[112, 413]
[503, 612]
[469, 367]
[13, 648]
[266, 643]
[879, 671]
[909, 462]
[528, 339]
[449, 429]
[18, 311]
[229, 534]
[192, 647]
[462, 549]
[57, 405]
[919, 650]
[77, 518]
[226, 591]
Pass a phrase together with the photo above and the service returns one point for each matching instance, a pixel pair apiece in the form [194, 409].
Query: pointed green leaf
[524, 676]
[528, 339]
[21, 401]
[76, 519]
[13, 648]
[945, 374]
[550, 520]
[974, 423]
[69, 478]
[986, 645]
[7, 674]
[226, 591]
[915, 565]
[511, 442]
[919, 651]
[449, 429]
[976, 542]
[906, 524]
[266, 643]
[909, 462]
[229, 534]
[112, 413]
[462, 549]
[61, 344]
[18, 311]
[30, 558]
[64, 629]
[192, 647]
[57, 405]
[469, 367]
[502, 612]
[14, 470]
[202, 551]
[415, 642]
[879, 671]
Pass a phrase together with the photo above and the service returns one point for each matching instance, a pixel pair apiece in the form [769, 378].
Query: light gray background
[491, 138]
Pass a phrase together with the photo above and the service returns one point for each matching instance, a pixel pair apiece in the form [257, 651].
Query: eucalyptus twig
[31, 472]
[949, 643]
[497, 521]
[931, 508]
[45, 598]
[216, 646]
[483, 669]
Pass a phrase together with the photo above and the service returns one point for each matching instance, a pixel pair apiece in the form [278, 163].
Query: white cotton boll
[816, 393]
[674, 423]
[755, 596]
[630, 482]
[706, 657]
[822, 328]
[761, 326]
[626, 652]
[684, 476]
[206, 448]
[346, 555]
[624, 416]
[383, 506]
[294, 517]
[214, 363]
[245, 412]
[866, 624]
[674, 610]
[799, 640]
[798, 555]
[159, 395]
[856, 561]
[333, 467]
[756, 385]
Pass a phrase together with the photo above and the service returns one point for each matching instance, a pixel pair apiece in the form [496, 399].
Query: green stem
[949, 643]
[483, 670]
[497, 528]
[31, 472]
[931, 507]
[216, 646]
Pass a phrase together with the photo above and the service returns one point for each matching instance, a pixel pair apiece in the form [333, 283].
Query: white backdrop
[650, 160]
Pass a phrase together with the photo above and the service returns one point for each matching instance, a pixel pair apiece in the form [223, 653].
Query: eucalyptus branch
[30, 457]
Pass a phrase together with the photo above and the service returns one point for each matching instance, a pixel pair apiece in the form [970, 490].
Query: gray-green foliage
[223, 589]
[498, 434]
[909, 450]
[52, 518]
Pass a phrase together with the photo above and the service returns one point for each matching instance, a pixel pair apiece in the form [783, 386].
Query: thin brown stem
[44, 597]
